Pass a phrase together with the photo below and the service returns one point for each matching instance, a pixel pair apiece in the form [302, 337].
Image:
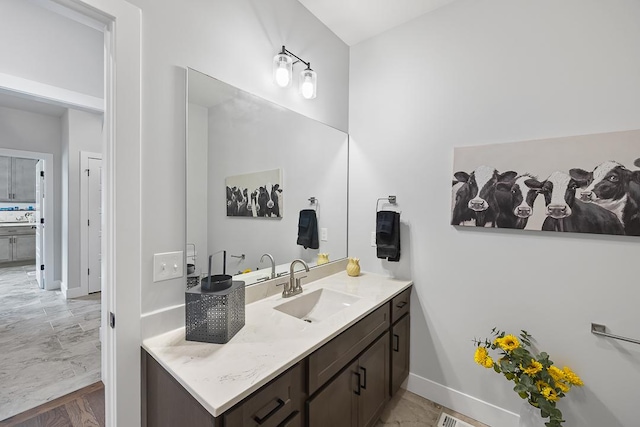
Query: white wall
[26, 131]
[235, 42]
[83, 132]
[479, 72]
[46, 47]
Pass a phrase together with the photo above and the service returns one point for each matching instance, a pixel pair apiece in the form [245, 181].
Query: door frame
[49, 213]
[84, 216]
[121, 221]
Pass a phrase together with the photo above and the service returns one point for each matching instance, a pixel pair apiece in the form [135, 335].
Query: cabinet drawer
[400, 305]
[295, 420]
[328, 360]
[272, 405]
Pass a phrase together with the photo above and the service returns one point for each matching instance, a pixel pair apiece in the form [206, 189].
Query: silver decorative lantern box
[214, 316]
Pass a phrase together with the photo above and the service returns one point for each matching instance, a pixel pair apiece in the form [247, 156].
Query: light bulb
[308, 83]
[282, 69]
[282, 77]
[307, 90]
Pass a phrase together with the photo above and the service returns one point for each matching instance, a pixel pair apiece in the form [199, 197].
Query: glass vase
[530, 416]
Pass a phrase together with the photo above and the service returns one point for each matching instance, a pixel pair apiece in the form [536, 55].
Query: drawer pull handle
[364, 376]
[271, 413]
[357, 392]
[401, 304]
[396, 342]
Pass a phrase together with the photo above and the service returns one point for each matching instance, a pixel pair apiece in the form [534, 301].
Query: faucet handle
[298, 281]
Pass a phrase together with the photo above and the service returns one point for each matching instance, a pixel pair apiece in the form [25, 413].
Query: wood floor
[82, 408]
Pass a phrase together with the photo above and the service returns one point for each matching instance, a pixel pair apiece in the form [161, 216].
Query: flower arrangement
[536, 378]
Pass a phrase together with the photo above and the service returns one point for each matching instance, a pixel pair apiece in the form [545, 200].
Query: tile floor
[410, 410]
[49, 346]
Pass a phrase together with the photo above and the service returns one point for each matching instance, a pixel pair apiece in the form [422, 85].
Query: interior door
[94, 224]
[39, 216]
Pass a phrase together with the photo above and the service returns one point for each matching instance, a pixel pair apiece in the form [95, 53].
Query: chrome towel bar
[601, 330]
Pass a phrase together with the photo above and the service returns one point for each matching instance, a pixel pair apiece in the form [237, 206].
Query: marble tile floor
[49, 346]
[410, 410]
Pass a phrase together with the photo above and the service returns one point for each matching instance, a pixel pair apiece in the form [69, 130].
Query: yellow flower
[488, 362]
[482, 357]
[571, 377]
[563, 387]
[550, 394]
[533, 368]
[556, 373]
[541, 385]
[507, 343]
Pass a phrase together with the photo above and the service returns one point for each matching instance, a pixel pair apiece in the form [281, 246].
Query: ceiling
[357, 20]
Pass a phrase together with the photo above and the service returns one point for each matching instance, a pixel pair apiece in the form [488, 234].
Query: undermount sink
[317, 305]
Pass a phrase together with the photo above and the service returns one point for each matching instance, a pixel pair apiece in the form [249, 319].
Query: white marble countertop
[17, 224]
[221, 375]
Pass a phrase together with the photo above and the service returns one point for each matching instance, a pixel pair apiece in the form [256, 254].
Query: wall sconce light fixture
[283, 73]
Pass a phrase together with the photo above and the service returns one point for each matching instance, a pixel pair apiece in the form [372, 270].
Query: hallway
[50, 346]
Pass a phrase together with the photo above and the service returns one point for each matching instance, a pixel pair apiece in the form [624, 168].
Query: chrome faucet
[273, 264]
[294, 284]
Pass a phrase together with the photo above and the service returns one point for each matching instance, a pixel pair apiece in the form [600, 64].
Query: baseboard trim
[69, 293]
[470, 406]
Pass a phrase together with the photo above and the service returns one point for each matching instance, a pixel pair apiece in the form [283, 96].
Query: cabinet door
[6, 248]
[400, 352]
[24, 180]
[24, 247]
[336, 405]
[5, 179]
[374, 376]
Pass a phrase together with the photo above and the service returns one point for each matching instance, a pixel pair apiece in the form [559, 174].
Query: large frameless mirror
[252, 167]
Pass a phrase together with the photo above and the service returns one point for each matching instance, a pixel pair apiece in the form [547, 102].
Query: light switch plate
[324, 234]
[168, 265]
[373, 239]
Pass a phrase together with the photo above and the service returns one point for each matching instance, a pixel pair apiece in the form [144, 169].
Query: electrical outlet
[168, 265]
[324, 234]
[373, 239]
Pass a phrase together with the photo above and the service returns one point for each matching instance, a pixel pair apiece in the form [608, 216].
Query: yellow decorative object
[353, 267]
[323, 259]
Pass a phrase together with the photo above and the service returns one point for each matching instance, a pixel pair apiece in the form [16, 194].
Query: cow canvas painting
[255, 195]
[582, 184]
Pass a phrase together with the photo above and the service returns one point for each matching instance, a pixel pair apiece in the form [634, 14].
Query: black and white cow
[276, 195]
[615, 188]
[264, 202]
[515, 201]
[566, 213]
[475, 200]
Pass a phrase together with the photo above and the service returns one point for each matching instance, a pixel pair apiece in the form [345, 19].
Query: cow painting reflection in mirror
[256, 195]
[603, 198]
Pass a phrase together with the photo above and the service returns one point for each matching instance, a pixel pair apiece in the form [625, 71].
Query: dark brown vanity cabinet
[345, 383]
[400, 337]
[277, 404]
[399, 352]
[357, 396]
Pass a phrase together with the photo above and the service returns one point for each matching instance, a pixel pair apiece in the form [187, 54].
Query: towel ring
[313, 201]
[390, 200]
